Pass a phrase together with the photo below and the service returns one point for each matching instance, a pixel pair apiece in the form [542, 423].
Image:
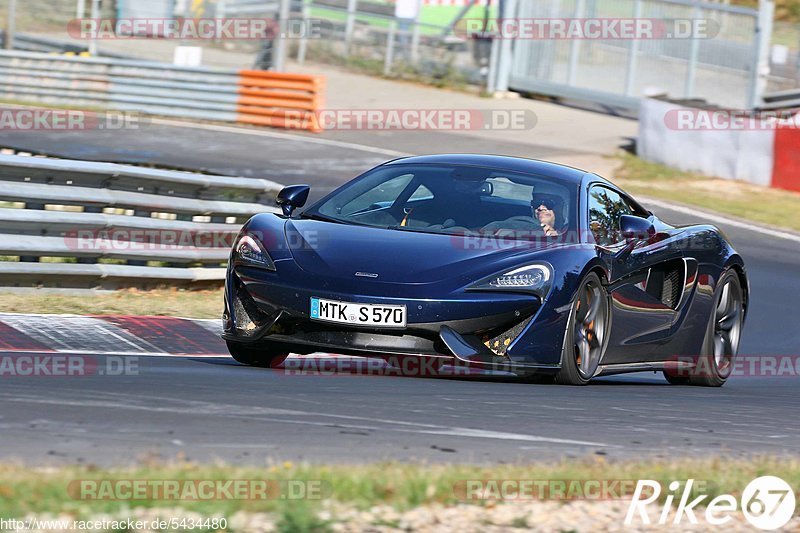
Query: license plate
[355, 314]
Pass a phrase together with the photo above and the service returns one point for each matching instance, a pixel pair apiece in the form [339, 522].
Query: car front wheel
[587, 332]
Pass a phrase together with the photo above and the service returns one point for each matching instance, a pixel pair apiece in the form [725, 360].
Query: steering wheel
[518, 218]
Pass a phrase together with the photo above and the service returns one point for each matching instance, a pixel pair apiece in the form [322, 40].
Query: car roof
[499, 162]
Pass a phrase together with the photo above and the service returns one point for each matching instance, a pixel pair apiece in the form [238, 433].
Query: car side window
[605, 209]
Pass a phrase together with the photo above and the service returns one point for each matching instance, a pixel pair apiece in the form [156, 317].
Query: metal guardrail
[782, 100]
[250, 97]
[37, 43]
[80, 224]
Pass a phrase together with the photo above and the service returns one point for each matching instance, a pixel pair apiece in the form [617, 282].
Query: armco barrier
[78, 224]
[249, 97]
[763, 152]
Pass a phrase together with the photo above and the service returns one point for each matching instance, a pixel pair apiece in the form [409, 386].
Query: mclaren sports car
[492, 262]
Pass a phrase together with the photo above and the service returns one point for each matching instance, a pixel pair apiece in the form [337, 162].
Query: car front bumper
[476, 327]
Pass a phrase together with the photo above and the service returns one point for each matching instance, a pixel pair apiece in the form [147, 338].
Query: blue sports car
[487, 261]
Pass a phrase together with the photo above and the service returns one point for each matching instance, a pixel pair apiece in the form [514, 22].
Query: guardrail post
[389, 59]
[349, 25]
[31, 258]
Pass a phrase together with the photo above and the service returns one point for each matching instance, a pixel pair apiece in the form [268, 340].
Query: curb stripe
[171, 335]
[12, 339]
[77, 334]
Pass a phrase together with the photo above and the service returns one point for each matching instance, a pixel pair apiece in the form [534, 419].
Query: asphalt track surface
[213, 408]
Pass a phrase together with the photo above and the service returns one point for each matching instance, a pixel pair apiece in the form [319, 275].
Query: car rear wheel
[256, 354]
[721, 342]
[585, 340]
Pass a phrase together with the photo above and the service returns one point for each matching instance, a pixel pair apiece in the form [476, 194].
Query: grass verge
[401, 486]
[737, 199]
[166, 302]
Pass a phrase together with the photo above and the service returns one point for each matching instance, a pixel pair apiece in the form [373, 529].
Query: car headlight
[536, 279]
[248, 251]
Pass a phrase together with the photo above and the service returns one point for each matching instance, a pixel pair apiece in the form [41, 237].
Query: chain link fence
[719, 68]
[784, 57]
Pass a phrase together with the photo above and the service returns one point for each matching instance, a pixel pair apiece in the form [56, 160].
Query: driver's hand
[549, 231]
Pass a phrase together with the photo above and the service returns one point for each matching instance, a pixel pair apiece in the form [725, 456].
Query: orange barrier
[280, 99]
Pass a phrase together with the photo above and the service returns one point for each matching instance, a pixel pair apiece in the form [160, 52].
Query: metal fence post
[415, 34]
[279, 60]
[491, 77]
[80, 9]
[221, 8]
[505, 56]
[575, 47]
[691, 68]
[11, 18]
[760, 70]
[389, 59]
[349, 25]
[633, 54]
[95, 15]
[302, 46]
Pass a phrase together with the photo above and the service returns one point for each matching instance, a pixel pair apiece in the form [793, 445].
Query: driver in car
[544, 210]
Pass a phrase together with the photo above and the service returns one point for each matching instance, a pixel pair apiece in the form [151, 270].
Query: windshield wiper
[417, 230]
[322, 218]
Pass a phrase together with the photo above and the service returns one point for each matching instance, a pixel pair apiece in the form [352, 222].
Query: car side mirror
[292, 197]
[635, 228]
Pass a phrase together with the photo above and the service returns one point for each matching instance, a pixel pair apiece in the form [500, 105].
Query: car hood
[333, 250]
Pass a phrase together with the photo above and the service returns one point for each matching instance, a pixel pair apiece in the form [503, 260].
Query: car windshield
[454, 200]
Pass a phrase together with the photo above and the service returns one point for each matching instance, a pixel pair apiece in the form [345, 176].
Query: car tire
[721, 341]
[256, 354]
[586, 336]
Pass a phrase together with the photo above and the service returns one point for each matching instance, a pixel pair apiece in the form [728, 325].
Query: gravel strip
[556, 517]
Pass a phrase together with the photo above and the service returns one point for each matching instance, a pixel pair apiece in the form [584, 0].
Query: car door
[642, 283]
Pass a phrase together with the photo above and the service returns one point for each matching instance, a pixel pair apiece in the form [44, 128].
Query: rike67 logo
[768, 503]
